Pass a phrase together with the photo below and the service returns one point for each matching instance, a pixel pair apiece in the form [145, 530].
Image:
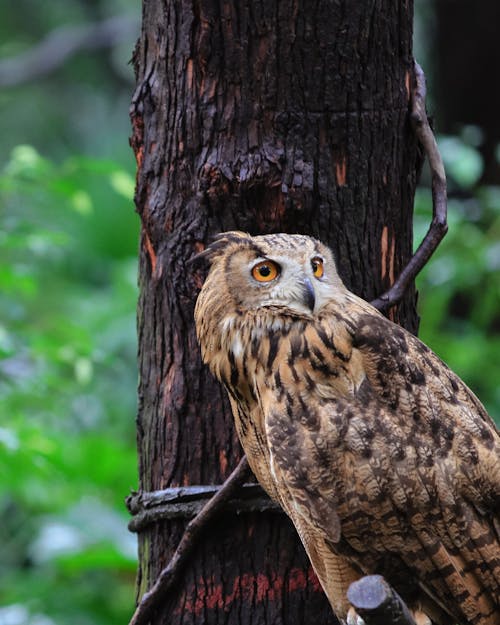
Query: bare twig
[438, 227]
[61, 44]
[170, 574]
[377, 603]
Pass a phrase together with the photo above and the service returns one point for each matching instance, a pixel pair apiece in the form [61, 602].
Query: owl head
[292, 272]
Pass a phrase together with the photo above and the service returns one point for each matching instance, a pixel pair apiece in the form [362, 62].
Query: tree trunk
[264, 117]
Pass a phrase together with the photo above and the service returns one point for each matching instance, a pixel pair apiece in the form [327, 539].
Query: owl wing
[394, 461]
[454, 455]
[438, 410]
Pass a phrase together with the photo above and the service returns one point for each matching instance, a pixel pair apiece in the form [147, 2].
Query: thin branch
[61, 44]
[170, 574]
[377, 603]
[438, 227]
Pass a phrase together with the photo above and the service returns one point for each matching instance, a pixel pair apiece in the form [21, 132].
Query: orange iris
[317, 267]
[265, 271]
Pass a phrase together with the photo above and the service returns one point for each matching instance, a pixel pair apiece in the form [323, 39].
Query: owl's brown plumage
[383, 458]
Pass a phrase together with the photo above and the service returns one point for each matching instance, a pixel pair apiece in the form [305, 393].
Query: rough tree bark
[281, 115]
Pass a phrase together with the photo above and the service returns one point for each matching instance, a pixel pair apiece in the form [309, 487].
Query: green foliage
[68, 255]
[67, 381]
[460, 288]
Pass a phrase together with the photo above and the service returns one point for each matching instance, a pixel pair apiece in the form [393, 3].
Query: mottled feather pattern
[382, 457]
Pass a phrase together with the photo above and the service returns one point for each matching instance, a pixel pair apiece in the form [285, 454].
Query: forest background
[68, 259]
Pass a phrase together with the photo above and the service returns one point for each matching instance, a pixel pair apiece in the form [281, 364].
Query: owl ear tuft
[220, 241]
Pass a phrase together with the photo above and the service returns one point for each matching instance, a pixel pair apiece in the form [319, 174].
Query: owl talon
[353, 618]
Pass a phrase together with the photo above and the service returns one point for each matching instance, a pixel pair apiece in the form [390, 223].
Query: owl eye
[317, 267]
[265, 271]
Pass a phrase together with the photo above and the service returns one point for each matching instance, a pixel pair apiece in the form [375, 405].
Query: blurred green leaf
[67, 377]
[68, 255]
[462, 161]
[459, 290]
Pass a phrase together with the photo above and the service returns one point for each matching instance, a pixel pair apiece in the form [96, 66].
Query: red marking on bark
[208, 595]
[189, 73]
[223, 461]
[214, 598]
[407, 84]
[269, 588]
[383, 248]
[249, 587]
[137, 138]
[243, 588]
[341, 171]
[297, 580]
[139, 155]
[391, 261]
[150, 251]
[388, 252]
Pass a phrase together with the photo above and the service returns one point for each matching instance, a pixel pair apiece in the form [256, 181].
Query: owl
[381, 456]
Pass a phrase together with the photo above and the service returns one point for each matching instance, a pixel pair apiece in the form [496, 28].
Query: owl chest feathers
[280, 373]
[273, 361]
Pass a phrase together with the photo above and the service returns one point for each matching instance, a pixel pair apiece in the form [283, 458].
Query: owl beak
[308, 294]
